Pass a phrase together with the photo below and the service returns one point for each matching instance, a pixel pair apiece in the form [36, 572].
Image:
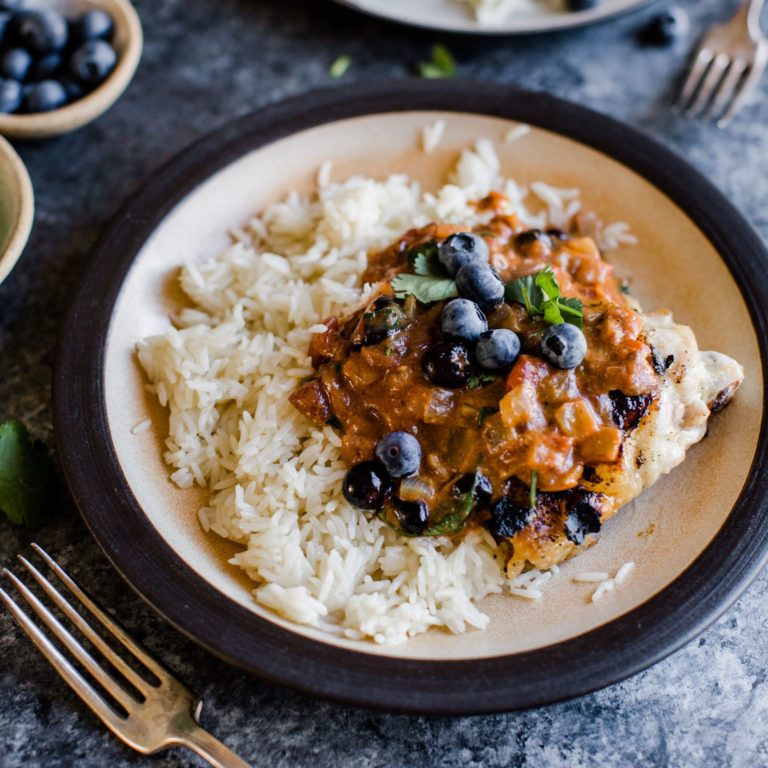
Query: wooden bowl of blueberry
[63, 62]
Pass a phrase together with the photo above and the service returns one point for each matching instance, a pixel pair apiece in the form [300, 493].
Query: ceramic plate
[698, 537]
[455, 16]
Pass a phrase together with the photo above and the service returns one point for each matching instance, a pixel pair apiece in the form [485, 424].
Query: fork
[158, 710]
[727, 67]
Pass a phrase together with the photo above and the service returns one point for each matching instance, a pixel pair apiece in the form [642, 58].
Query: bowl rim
[25, 214]
[92, 105]
[579, 665]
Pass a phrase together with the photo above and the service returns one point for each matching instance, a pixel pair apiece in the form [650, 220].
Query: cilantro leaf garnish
[339, 66]
[26, 476]
[426, 288]
[441, 64]
[540, 294]
[424, 259]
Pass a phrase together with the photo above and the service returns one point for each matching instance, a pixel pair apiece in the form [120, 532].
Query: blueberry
[45, 96]
[462, 319]
[93, 61]
[92, 25]
[563, 345]
[11, 5]
[497, 350]
[530, 237]
[483, 489]
[400, 453]
[384, 318]
[580, 5]
[10, 96]
[480, 283]
[666, 27]
[15, 63]
[508, 518]
[74, 89]
[46, 67]
[581, 521]
[413, 516]
[447, 364]
[461, 249]
[365, 485]
[42, 32]
[557, 234]
[5, 18]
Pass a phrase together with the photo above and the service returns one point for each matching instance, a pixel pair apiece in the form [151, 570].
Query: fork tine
[115, 659]
[110, 624]
[709, 84]
[727, 88]
[699, 67]
[748, 84]
[72, 645]
[60, 663]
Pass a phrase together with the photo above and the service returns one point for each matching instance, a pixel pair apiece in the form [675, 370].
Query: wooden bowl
[127, 41]
[17, 207]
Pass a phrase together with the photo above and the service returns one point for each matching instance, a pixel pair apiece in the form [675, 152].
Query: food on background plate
[403, 401]
[47, 61]
[492, 11]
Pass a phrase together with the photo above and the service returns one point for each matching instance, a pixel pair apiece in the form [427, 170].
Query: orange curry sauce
[536, 418]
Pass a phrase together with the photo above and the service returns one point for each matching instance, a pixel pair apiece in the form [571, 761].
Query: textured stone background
[205, 62]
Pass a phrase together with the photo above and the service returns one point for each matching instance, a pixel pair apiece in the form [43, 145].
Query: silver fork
[159, 713]
[727, 67]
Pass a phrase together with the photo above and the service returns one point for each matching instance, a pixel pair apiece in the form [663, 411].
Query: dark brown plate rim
[593, 660]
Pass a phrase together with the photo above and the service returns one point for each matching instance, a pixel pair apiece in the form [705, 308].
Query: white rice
[226, 369]
[431, 135]
[142, 426]
[517, 133]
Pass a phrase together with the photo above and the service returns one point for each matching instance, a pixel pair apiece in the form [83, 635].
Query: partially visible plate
[698, 537]
[455, 16]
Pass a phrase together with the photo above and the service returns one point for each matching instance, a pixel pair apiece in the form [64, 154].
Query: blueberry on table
[666, 27]
[45, 67]
[497, 350]
[92, 25]
[365, 485]
[462, 319]
[92, 62]
[480, 283]
[461, 249]
[413, 516]
[15, 63]
[42, 32]
[44, 96]
[563, 345]
[483, 489]
[400, 453]
[447, 364]
[10, 96]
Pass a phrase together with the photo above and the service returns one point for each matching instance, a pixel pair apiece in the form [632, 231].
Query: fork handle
[753, 14]
[209, 748]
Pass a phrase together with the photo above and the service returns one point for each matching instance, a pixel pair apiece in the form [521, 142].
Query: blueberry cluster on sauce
[428, 381]
[47, 60]
[467, 346]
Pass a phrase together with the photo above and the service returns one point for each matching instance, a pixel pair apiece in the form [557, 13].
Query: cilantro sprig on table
[441, 64]
[26, 476]
[540, 294]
